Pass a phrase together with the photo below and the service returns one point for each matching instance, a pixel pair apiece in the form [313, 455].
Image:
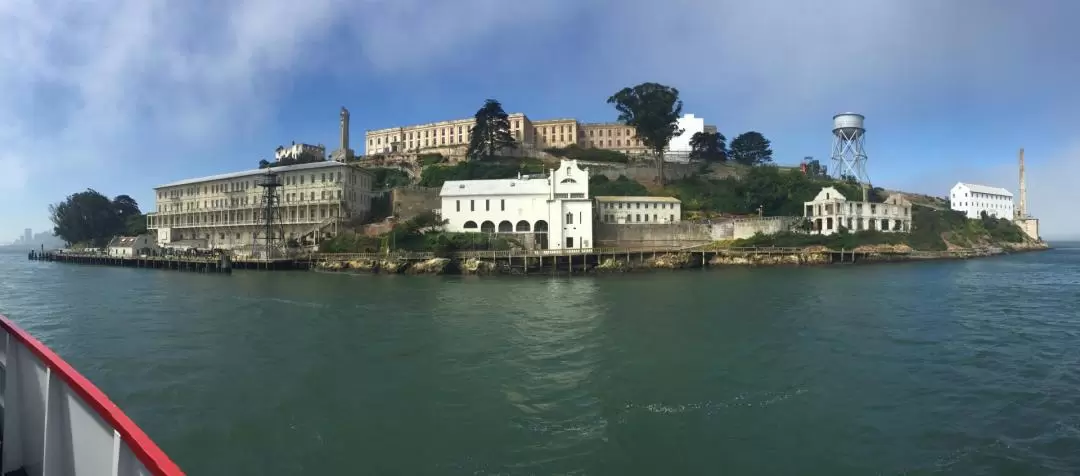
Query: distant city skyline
[950, 90]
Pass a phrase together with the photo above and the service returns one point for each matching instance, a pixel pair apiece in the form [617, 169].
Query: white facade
[554, 209]
[295, 151]
[690, 125]
[227, 210]
[128, 246]
[972, 200]
[830, 210]
[638, 210]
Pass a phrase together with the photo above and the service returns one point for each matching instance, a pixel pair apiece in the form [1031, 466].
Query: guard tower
[848, 154]
[270, 182]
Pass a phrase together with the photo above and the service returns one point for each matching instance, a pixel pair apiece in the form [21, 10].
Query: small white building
[690, 125]
[635, 210]
[553, 209]
[296, 151]
[830, 210]
[972, 200]
[129, 246]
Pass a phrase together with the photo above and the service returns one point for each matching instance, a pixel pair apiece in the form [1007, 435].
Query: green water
[966, 367]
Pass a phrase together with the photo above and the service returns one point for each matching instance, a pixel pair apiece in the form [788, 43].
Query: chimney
[1021, 208]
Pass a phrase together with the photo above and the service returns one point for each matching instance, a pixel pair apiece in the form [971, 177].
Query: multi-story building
[550, 211]
[227, 211]
[297, 151]
[452, 137]
[638, 210]
[972, 200]
[830, 210]
[445, 137]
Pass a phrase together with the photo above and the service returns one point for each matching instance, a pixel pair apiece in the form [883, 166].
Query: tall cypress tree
[491, 133]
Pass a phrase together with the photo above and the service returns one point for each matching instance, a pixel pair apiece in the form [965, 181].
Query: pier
[220, 264]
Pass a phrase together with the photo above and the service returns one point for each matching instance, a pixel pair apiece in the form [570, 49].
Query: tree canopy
[751, 148]
[491, 133]
[90, 217]
[653, 111]
[708, 147]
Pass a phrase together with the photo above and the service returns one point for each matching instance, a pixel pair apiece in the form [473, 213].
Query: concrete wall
[641, 171]
[407, 202]
[747, 227]
[660, 234]
[685, 233]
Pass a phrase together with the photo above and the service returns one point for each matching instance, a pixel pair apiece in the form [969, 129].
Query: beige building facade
[830, 210]
[226, 211]
[638, 210]
[452, 137]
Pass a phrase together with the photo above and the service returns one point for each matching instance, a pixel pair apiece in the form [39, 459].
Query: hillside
[720, 190]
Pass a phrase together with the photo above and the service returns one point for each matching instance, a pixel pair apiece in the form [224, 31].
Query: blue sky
[123, 95]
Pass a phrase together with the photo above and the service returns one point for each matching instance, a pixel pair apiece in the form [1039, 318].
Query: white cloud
[91, 82]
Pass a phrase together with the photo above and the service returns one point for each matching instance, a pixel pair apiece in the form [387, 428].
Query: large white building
[972, 200]
[638, 210]
[226, 211]
[551, 211]
[830, 210]
[690, 125]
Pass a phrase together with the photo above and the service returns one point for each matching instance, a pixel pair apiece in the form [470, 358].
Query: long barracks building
[448, 137]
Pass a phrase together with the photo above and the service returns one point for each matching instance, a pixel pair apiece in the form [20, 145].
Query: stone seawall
[637, 261]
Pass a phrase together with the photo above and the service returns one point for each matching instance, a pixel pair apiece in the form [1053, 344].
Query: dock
[222, 264]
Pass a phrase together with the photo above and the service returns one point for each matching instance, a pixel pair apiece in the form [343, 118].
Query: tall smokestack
[1021, 209]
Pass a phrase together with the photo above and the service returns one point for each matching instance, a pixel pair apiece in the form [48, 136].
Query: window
[569, 242]
[472, 205]
[673, 218]
[637, 217]
[487, 205]
[569, 218]
[458, 204]
[502, 204]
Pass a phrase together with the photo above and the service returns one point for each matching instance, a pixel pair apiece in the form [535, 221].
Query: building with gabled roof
[129, 246]
[830, 211]
[972, 200]
[548, 211]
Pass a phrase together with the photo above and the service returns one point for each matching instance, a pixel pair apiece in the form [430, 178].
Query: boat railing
[55, 422]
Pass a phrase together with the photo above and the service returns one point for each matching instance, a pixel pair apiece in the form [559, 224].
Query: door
[569, 242]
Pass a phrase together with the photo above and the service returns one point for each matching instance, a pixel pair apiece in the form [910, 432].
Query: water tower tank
[848, 124]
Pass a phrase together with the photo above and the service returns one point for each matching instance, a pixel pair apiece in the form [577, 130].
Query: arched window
[568, 180]
[470, 225]
[569, 218]
[506, 227]
[487, 227]
[522, 226]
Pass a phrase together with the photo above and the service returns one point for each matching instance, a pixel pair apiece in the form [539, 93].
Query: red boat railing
[56, 422]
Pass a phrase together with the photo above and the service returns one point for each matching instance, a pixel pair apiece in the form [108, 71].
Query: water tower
[848, 155]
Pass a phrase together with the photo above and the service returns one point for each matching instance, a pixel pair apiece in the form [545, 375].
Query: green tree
[85, 217]
[708, 147]
[751, 148]
[491, 133]
[653, 111]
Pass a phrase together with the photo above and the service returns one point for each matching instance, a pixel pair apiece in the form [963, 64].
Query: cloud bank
[100, 83]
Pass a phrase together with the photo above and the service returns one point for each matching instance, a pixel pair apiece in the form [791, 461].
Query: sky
[124, 95]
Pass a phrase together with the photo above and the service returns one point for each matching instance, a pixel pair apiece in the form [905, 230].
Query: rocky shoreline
[813, 256]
